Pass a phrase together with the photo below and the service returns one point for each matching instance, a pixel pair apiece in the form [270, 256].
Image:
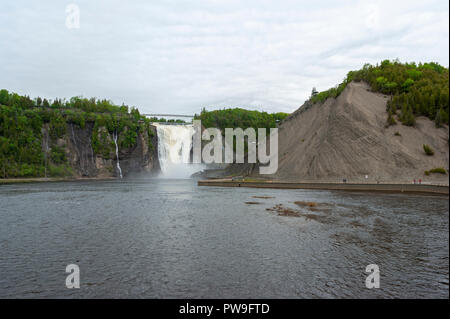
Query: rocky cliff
[84, 161]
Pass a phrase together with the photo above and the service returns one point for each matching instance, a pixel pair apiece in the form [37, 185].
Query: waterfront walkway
[396, 188]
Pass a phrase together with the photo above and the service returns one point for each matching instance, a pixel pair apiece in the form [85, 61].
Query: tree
[441, 118]
[407, 84]
[390, 119]
[4, 97]
[407, 117]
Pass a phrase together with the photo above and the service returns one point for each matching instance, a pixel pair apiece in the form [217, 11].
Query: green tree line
[415, 89]
[238, 117]
[22, 152]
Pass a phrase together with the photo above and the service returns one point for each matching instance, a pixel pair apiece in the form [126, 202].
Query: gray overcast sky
[180, 56]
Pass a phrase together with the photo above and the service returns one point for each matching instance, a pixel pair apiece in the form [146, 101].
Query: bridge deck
[168, 115]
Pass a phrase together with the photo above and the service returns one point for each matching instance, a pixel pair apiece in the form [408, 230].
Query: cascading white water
[174, 150]
[117, 154]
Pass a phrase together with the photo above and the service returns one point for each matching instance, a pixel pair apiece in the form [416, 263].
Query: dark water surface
[170, 238]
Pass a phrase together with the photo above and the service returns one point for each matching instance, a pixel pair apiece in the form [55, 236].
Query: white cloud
[178, 56]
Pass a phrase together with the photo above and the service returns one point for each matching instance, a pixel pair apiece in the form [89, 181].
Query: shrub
[397, 134]
[60, 170]
[391, 120]
[427, 173]
[438, 170]
[428, 150]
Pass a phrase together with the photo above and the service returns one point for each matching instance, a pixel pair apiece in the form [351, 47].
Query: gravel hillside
[347, 138]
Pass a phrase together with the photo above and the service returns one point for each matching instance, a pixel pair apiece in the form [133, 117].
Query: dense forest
[415, 90]
[21, 131]
[238, 117]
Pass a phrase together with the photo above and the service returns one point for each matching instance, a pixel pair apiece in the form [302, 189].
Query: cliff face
[77, 144]
[347, 138]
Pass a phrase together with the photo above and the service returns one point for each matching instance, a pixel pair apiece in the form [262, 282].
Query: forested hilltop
[415, 90]
[25, 121]
[238, 117]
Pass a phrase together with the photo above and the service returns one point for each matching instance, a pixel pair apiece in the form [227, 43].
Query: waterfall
[174, 150]
[117, 154]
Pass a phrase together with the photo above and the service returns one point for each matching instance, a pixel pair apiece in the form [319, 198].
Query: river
[162, 238]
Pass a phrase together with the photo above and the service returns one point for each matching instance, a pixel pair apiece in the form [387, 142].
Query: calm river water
[160, 238]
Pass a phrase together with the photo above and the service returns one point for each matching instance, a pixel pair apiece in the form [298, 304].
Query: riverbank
[386, 188]
[4, 181]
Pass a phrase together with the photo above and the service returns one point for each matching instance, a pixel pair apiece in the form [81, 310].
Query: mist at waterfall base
[174, 151]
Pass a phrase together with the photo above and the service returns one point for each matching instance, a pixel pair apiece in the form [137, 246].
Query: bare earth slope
[347, 138]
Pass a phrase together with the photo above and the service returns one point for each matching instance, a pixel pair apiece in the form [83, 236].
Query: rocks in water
[284, 211]
[289, 212]
[305, 204]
